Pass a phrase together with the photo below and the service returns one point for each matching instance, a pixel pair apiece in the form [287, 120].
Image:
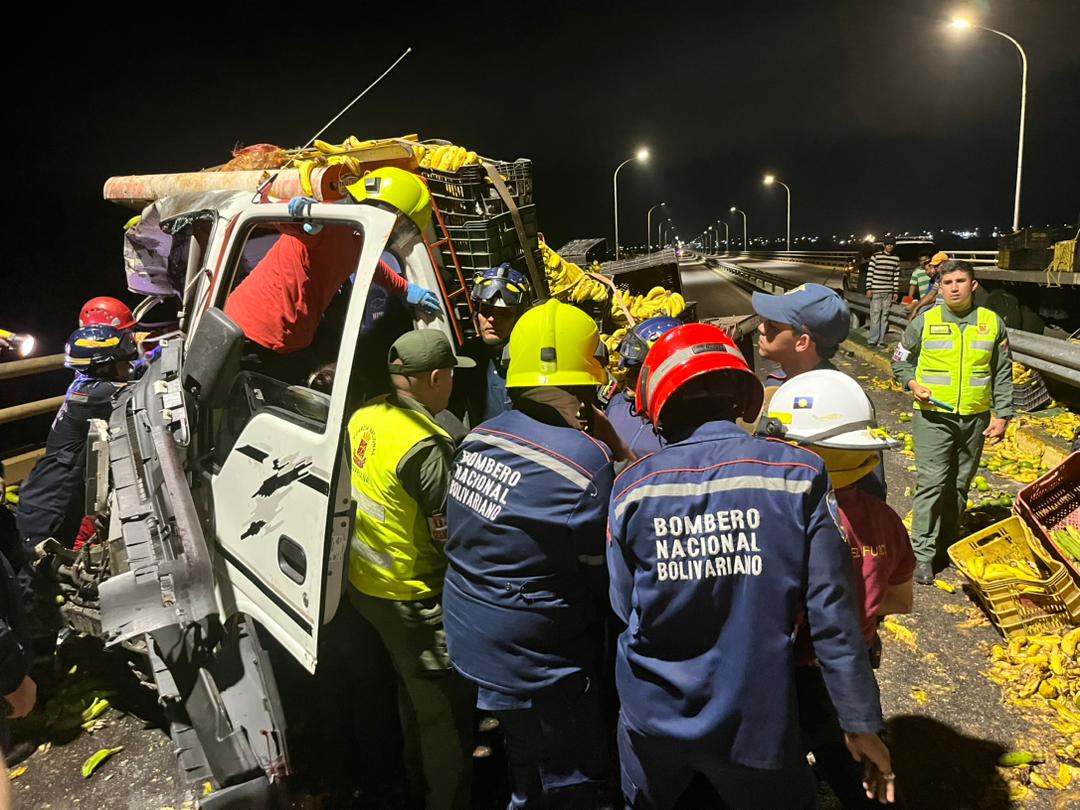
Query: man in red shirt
[827, 412]
[280, 304]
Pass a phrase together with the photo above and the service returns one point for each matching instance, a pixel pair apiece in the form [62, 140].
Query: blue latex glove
[421, 297]
[300, 207]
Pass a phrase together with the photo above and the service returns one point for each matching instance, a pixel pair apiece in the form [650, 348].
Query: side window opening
[289, 292]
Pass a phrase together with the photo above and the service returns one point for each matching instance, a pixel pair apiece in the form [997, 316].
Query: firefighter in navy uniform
[526, 583]
[51, 500]
[629, 423]
[718, 543]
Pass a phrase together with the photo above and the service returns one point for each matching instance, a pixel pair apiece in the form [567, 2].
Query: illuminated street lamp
[745, 244]
[648, 225]
[962, 24]
[727, 235]
[641, 156]
[769, 180]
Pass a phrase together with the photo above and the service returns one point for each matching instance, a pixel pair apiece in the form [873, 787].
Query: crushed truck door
[280, 490]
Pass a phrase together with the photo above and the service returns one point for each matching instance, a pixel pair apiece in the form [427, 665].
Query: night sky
[877, 115]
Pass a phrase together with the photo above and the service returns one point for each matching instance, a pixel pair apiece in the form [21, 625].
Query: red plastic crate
[1053, 502]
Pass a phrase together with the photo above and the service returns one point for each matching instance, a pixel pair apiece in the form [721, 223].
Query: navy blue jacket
[632, 427]
[718, 542]
[52, 499]
[526, 515]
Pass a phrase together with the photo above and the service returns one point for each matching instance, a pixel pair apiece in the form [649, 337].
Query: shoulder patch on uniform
[901, 354]
[834, 513]
[79, 396]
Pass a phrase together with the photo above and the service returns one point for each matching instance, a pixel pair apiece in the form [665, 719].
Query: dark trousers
[435, 702]
[822, 735]
[657, 771]
[556, 745]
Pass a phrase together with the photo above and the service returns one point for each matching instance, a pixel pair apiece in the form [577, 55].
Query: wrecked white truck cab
[227, 491]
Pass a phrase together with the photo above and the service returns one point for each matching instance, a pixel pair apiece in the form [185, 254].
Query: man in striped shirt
[883, 289]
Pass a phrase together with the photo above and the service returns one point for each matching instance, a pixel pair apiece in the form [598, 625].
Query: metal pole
[615, 188]
[785, 185]
[1023, 116]
[745, 244]
[727, 236]
[648, 227]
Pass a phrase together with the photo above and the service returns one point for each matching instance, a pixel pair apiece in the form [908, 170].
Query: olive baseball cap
[424, 350]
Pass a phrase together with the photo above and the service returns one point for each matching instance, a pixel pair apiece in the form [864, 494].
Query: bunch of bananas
[1041, 677]
[1021, 374]
[447, 158]
[613, 342]
[657, 301]
[567, 281]
[347, 153]
[982, 572]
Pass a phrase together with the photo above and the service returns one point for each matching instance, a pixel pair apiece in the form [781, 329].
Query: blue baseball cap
[810, 308]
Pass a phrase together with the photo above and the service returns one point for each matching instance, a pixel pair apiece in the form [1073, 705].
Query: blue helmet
[501, 286]
[640, 339]
[91, 346]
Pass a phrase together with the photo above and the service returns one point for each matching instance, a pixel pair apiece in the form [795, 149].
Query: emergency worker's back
[713, 541]
[526, 513]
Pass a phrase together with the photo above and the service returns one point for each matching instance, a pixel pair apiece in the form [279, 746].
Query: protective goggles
[510, 291]
[632, 350]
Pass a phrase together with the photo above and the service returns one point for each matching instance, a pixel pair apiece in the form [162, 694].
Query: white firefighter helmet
[827, 409]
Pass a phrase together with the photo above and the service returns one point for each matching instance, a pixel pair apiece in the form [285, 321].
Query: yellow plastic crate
[1019, 606]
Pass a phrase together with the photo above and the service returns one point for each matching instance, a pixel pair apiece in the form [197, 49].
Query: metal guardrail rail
[1053, 357]
[26, 368]
[840, 258]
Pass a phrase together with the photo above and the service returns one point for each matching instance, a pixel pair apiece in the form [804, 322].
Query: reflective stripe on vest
[955, 363]
[392, 553]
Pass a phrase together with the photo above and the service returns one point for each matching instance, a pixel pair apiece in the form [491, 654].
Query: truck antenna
[270, 180]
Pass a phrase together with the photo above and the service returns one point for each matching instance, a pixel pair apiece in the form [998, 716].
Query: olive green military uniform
[965, 361]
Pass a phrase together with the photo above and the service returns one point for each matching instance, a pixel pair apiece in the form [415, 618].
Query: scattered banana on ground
[1040, 675]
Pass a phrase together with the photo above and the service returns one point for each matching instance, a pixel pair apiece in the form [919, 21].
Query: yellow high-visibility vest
[391, 555]
[955, 363]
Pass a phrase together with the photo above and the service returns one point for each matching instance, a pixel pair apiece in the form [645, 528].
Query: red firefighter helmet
[685, 353]
[106, 311]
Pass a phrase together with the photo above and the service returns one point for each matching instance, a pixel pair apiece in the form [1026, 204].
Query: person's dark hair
[322, 378]
[826, 352]
[957, 266]
[718, 395]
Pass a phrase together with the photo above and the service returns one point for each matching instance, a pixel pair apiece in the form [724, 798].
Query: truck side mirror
[212, 358]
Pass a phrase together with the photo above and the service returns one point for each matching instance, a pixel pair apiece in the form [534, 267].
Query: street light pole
[648, 225]
[642, 155]
[1023, 111]
[745, 245]
[660, 231]
[769, 180]
[727, 236]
